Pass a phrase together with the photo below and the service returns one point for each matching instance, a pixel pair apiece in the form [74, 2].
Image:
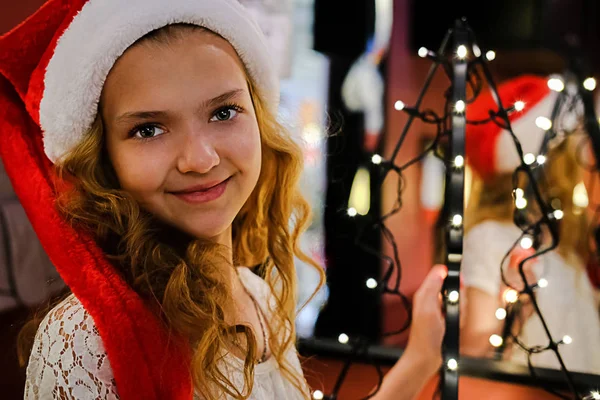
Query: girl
[164, 155]
[568, 303]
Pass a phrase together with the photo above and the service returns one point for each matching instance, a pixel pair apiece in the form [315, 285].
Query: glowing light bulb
[318, 395]
[352, 212]
[556, 84]
[371, 283]
[461, 51]
[526, 242]
[496, 340]
[595, 395]
[543, 123]
[343, 338]
[558, 214]
[511, 296]
[567, 339]
[457, 220]
[519, 193]
[453, 296]
[399, 105]
[580, 196]
[589, 84]
[459, 161]
[519, 105]
[376, 159]
[541, 159]
[452, 364]
[500, 314]
[542, 283]
[529, 158]
[423, 52]
[521, 203]
[459, 106]
[490, 55]
[476, 50]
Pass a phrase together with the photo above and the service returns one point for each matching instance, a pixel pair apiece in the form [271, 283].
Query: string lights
[376, 159]
[452, 364]
[500, 314]
[463, 54]
[519, 105]
[589, 84]
[371, 283]
[454, 205]
[556, 84]
[543, 123]
[343, 338]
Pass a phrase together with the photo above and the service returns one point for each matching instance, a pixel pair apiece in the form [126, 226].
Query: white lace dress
[68, 360]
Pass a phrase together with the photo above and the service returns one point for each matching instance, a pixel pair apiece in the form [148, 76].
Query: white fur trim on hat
[101, 32]
[529, 134]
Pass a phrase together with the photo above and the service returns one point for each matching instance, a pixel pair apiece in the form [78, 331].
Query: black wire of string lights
[465, 86]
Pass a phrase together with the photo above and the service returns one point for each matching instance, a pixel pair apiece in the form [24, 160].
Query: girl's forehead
[199, 48]
[197, 65]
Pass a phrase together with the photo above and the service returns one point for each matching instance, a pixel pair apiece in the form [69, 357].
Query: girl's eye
[147, 132]
[225, 114]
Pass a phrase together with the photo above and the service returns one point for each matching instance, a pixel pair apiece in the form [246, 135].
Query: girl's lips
[203, 195]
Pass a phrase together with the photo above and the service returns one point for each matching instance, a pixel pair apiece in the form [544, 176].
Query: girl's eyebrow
[223, 98]
[214, 102]
[135, 115]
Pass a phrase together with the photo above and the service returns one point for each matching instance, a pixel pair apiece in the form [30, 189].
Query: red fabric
[593, 269]
[482, 139]
[147, 362]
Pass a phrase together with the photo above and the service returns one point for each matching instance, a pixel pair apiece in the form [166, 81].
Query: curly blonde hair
[185, 276]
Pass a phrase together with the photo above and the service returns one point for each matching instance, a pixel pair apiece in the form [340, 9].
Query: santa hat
[52, 69]
[490, 149]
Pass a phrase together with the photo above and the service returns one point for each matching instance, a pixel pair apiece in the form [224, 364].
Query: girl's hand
[515, 280]
[422, 357]
[428, 325]
[512, 275]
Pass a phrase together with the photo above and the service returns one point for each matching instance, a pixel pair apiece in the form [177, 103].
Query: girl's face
[181, 132]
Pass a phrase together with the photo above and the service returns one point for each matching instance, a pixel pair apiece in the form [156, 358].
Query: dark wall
[342, 29]
[512, 25]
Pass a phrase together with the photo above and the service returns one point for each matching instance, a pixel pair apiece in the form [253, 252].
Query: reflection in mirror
[502, 231]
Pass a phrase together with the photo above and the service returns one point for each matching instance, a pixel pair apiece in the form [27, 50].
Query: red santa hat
[490, 149]
[52, 69]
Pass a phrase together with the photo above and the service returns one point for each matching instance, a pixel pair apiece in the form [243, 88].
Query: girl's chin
[221, 234]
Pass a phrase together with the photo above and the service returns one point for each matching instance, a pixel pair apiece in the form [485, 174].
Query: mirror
[499, 325]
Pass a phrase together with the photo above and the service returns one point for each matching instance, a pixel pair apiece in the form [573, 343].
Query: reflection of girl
[161, 118]
[568, 302]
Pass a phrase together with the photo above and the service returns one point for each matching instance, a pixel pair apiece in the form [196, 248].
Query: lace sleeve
[68, 360]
